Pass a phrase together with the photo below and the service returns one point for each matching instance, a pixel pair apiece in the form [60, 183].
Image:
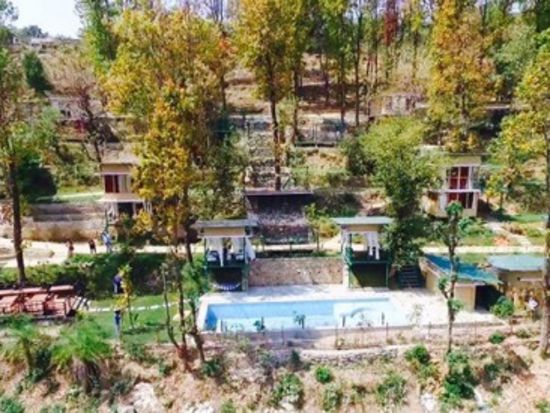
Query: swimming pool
[276, 315]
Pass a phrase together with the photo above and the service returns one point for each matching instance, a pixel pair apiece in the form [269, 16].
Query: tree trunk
[545, 322]
[342, 90]
[295, 131]
[357, 93]
[196, 333]
[276, 143]
[15, 194]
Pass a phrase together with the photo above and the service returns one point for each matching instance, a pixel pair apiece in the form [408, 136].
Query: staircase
[410, 277]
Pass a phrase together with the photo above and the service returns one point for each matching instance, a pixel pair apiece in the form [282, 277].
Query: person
[107, 241]
[117, 284]
[70, 249]
[532, 305]
[91, 244]
[118, 322]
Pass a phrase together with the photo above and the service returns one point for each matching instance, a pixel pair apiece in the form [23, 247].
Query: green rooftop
[517, 263]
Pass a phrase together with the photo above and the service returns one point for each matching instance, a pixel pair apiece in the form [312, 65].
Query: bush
[459, 382]
[138, 352]
[332, 398]
[543, 406]
[503, 308]
[323, 374]
[418, 356]
[93, 272]
[228, 407]
[288, 388]
[10, 405]
[214, 367]
[392, 391]
[523, 333]
[497, 337]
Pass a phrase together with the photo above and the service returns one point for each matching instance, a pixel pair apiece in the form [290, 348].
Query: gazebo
[366, 263]
[227, 251]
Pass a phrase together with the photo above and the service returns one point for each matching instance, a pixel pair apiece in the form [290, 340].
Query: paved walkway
[39, 252]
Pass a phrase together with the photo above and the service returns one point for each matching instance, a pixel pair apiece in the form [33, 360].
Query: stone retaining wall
[291, 271]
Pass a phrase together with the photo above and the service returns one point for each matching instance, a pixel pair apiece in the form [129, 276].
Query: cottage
[119, 196]
[227, 252]
[521, 277]
[476, 288]
[460, 182]
[366, 264]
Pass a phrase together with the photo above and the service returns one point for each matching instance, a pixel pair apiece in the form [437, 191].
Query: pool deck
[431, 307]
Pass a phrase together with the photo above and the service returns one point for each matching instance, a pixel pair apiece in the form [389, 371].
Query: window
[465, 198]
[111, 184]
[458, 177]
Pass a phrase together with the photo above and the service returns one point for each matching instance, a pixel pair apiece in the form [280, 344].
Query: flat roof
[226, 223]
[270, 192]
[517, 263]
[466, 272]
[368, 220]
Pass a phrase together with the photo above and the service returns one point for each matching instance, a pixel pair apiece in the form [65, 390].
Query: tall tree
[358, 30]
[459, 84]
[339, 45]
[19, 137]
[450, 233]
[532, 124]
[35, 74]
[403, 171]
[266, 34]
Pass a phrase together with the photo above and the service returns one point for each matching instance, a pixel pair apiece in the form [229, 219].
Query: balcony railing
[363, 257]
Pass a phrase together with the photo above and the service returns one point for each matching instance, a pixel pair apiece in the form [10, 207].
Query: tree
[414, 22]
[358, 30]
[195, 285]
[339, 45]
[125, 300]
[25, 339]
[80, 349]
[35, 74]
[531, 128]
[450, 233]
[8, 13]
[32, 32]
[393, 146]
[459, 84]
[265, 36]
[315, 217]
[19, 137]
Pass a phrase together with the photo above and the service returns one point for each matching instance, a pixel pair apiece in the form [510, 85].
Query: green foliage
[95, 272]
[357, 161]
[80, 348]
[404, 172]
[228, 407]
[214, 368]
[459, 383]
[497, 338]
[289, 388]
[543, 406]
[35, 73]
[10, 405]
[138, 352]
[25, 343]
[418, 355]
[392, 391]
[323, 374]
[503, 308]
[332, 398]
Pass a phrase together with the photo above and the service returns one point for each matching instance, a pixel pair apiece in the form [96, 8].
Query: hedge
[94, 272]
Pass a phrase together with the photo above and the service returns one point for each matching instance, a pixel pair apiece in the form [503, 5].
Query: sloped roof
[466, 272]
[517, 263]
[368, 220]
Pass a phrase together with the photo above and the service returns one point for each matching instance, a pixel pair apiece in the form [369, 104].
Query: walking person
[107, 241]
[93, 249]
[70, 249]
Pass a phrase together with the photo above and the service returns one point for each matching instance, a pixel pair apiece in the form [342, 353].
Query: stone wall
[287, 271]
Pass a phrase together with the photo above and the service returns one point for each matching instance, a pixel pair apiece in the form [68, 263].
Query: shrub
[295, 361]
[523, 333]
[459, 382]
[332, 398]
[214, 367]
[503, 308]
[497, 337]
[288, 388]
[10, 405]
[543, 406]
[418, 356]
[138, 352]
[392, 391]
[228, 407]
[323, 374]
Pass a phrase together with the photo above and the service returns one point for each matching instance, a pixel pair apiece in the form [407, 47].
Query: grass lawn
[149, 323]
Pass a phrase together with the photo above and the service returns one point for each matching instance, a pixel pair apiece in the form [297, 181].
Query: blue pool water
[373, 312]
